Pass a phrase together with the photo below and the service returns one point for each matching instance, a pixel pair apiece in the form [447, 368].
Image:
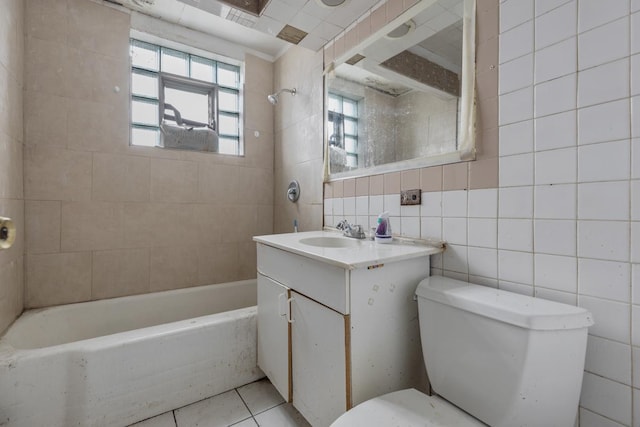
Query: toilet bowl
[493, 358]
[406, 408]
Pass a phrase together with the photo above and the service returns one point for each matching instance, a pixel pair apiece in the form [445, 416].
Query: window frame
[343, 118]
[190, 84]
[173, 81]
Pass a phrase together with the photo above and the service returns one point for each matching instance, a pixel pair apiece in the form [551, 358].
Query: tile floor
[255, 404]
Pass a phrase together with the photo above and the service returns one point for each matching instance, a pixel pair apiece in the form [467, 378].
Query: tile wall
[11, 141]
[298, 139]
[560, 222]
[104, 219]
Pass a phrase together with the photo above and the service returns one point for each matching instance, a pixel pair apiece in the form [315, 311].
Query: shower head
[273, 98]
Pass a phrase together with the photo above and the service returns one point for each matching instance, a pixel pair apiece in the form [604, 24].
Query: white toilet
[493, 357]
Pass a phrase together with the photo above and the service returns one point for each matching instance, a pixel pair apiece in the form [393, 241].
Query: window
[199, 98]
[342, 126]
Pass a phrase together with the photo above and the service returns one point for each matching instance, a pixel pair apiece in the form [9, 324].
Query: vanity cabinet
[274, 349]
[334, 333]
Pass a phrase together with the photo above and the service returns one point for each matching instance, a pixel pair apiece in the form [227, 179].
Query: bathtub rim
[157, 330]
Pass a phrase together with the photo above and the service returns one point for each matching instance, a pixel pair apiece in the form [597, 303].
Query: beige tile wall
[298, 140]
[104, 219]
[11, 156]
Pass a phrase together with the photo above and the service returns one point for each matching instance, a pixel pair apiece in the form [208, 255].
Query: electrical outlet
[410, 197]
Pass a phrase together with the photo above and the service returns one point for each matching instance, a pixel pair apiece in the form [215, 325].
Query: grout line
[175, 420]
[243, 401]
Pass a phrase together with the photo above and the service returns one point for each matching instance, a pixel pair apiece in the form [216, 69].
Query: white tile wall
[604, 122]
[515, 266]
[515, 234]
[555, 96]
[516, 74]
[515, 12]
[607, 240]
[455, 259]
[555, 201]
[483, 262]
[607, 397]
[635, 116]
[516, 202]
[603, 83]
[607, 161]
[555, 131]
[544, 6]
[516, 138]
[591, 419]
[516, 170]
[516, 42]
[635, 74]
[592, 13]
[349, 206]
[454, 230]
[555, 236]
[635, 33]
[556, 60]
[635, 158]
[556, 272]
[635, 200]
[609, 359]
[518, 106]
[614, 318]
[483, 203]
[483, 232]
[604, 44]
[556, 166]
[635, 285]
[555, 26]
[604, 279]
[454, 203]
[558, 296]
[431, 204]
[604, 200]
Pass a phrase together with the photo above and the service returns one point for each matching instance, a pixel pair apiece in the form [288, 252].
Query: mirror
[404, 97]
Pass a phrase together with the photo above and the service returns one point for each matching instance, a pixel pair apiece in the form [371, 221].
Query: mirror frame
[467, 121]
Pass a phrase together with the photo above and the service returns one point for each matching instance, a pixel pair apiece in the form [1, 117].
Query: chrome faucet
[354, 231]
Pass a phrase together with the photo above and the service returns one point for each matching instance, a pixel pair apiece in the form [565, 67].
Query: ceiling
[322, 23]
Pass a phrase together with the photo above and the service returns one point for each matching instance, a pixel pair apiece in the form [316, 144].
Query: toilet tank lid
[519, 310]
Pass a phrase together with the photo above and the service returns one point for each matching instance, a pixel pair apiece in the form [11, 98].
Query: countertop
[363, 254]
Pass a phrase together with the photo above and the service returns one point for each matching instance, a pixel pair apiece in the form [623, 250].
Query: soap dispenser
[383, 232]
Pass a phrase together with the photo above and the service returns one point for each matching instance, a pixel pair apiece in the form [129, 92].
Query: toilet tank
[507, 359]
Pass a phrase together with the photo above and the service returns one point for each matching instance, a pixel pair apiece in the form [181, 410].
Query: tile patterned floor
[252, 405]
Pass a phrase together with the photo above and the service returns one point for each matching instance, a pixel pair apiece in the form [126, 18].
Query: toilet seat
[406, 408]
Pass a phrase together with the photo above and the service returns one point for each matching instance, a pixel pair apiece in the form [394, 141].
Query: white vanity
[337, 322]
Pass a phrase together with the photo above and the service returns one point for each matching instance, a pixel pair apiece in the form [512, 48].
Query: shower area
[100, 221]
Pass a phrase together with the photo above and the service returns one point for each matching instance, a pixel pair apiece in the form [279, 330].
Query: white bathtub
[118, 361]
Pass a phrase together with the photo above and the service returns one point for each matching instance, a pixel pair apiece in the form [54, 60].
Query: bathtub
[118, 361]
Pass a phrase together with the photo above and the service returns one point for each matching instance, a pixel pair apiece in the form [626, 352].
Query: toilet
[493, 358]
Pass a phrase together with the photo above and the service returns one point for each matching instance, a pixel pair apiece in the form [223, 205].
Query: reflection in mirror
[405, 99]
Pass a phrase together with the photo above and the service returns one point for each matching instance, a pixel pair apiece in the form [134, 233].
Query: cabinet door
[318, 361]
[274, 351]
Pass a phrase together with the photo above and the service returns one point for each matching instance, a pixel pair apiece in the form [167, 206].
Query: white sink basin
[330, 242]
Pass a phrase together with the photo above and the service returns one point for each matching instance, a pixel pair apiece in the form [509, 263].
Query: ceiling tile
[351, 10]
[314, 8]
[326, 30]
[280, 11]
[268, 25]
[305, 22]
[312, 42]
